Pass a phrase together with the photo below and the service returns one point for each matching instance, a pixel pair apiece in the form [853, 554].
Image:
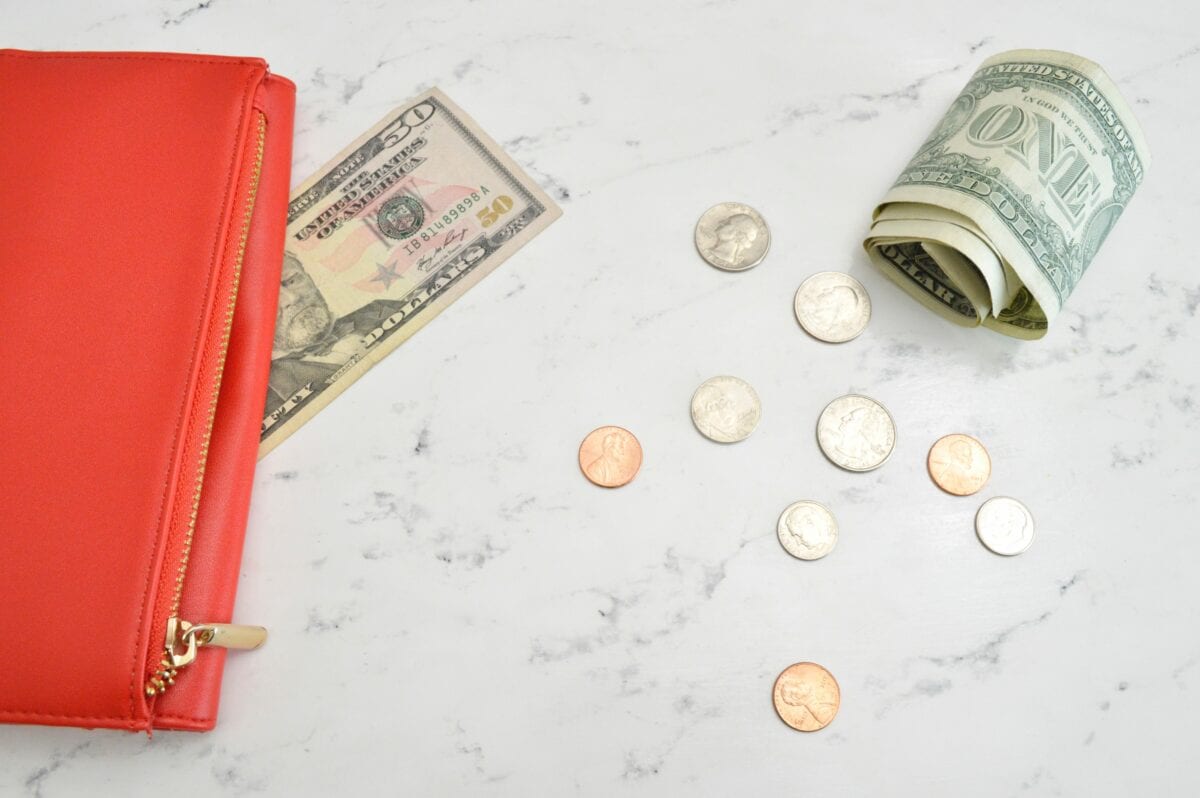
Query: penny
[1004, 525]
[726, 409]
[832, 307]
[732, 236]
[856, 433]
[807, 530]
[806, 696]
[959, 464]
[610, 457]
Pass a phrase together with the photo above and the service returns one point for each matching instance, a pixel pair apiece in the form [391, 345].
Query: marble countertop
[454, 610]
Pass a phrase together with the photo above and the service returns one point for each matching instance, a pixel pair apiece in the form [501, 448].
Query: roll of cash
[997, 216]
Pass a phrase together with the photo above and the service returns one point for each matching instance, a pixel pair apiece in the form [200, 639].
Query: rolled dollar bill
[997, 216]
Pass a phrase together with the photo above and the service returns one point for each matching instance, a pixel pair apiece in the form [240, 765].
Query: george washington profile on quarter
[732, 236]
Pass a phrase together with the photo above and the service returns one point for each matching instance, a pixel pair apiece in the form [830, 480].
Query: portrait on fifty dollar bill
[311, 344]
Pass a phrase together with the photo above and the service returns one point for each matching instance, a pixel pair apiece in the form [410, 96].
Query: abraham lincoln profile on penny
[959, 464]
[610, 457]
[608, 466]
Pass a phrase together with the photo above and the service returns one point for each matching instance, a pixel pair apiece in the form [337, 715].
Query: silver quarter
[832, 307]
[726, 409]
[856, 433]
[1004, 525]
[732, 236]
[807, 530]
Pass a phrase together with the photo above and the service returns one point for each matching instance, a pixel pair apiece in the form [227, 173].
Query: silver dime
[832, 307]
[732, 236]
[856, 433]
[1004, 525]
[726, 409]
[807, 530]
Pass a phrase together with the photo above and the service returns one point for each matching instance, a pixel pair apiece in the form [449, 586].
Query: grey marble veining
[454, 610]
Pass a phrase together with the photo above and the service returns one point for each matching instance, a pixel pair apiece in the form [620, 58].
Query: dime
[806, 696]
[807, 530]
[732, 236]
[726, 409]
[610, 457]
[856, 433]
[959, 464]
[832, 307]
[1004, 525]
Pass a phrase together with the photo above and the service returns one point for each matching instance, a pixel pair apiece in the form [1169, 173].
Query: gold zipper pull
[228, 635]
[183, 640]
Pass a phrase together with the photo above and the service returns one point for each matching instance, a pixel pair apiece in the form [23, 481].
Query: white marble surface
[455, 611]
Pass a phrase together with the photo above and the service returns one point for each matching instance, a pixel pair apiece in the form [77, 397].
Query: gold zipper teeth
[165, 675]
[163, 678]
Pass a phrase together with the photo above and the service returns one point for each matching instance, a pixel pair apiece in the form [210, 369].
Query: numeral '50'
[491, 214]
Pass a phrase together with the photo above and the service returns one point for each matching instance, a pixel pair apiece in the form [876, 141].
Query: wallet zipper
[184, 638]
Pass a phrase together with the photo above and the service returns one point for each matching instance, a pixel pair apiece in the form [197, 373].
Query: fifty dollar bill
[998, 215]
[380, 240]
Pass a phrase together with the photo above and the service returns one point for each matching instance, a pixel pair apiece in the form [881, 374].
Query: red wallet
[142, 210]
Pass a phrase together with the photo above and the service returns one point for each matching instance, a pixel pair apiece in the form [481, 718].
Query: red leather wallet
[142, 210]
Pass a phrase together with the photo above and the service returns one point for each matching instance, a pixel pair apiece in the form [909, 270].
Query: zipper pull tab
[184, 638]
[227, 635]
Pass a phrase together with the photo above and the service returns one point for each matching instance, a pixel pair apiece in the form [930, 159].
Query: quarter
[732, 236]
[856, 433]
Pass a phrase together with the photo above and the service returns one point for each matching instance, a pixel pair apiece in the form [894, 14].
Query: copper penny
[610, 457]
[959, 464]
[807, 696]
